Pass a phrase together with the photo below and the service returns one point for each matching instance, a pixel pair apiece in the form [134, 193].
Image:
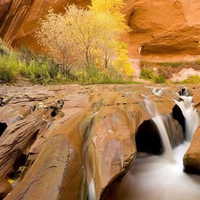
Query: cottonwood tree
[114, 51]
[85, 37]
[54, 36]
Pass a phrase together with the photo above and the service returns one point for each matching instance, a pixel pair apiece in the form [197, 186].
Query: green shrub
[94, 75]
[192, 80]
[171, 64]
[37, 74]
[147, 74]
[8, 69]
[40, 69]
[159, 79]
[197, 62]
[6, 75]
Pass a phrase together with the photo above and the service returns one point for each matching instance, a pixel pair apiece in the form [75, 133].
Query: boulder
[78, 149]
[191, 159]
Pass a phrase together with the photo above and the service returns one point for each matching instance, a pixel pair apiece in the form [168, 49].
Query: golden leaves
[86, 37]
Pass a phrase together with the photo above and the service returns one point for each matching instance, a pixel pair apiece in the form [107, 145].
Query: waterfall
[154, 177]
[162, 130]
[190, 114]
[164, 137]
[86, 159]
[91, 190]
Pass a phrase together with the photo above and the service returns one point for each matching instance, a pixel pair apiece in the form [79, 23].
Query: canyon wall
[158, 28]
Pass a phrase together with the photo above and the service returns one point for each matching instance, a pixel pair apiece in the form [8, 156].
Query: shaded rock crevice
[3, 127]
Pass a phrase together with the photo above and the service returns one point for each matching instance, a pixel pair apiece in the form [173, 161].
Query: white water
[86, 161]
[190, 114]
[150, 106]
[162, 177]
[91, 190]
[155, 178]
[164, 137]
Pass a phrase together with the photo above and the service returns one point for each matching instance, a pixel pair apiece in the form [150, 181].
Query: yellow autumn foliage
[122, 62]
[87, 37]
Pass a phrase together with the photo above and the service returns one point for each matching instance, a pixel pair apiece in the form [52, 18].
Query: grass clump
[160, 79]
[148, 74]
[94, 75]
[8, 69]
[40, 69]
[170, 64]
[197, 62]
[195, 79]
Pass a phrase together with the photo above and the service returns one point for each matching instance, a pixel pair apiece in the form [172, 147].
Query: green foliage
[6, 75]
[8, 69]
[197, 62]
[147, 74]
[86, 37]
[160, 79]
[36, 74]
[192, 80]
[94, 75]
[40, 69]
[170, 64]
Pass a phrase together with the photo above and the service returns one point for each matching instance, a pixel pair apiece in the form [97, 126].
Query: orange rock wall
[159, 28]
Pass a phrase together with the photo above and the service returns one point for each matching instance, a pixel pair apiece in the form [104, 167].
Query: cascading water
[161, 177]
[190, 114]
[163, 133]
[86, 161]
[91, 190]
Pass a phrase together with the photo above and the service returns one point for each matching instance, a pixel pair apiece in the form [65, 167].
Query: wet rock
[16, 140]
[73, 141]
[5, 188]
[56, 174]
[174, 130]
[110, 147]
[191, 159]
[178, 115]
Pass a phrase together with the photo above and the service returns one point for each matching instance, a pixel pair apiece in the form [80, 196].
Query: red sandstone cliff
[159, 28]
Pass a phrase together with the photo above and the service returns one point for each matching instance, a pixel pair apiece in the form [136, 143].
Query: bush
[197, 62]
[40, 69]
[37, 74]
[6, 75]
[97, 75]
[167, 64]
[147, 74]
[160, 79]
[192, 80]
[8, 69]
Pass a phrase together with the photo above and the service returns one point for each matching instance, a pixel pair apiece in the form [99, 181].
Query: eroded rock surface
[191, 158]
[73, 141]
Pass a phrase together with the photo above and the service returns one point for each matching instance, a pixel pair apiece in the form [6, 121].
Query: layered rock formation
[158, 28]
[191, 158]
[74, 141]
